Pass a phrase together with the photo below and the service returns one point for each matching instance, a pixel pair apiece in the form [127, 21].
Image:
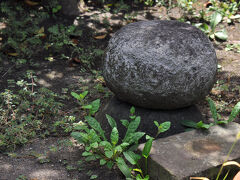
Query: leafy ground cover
[48, 54]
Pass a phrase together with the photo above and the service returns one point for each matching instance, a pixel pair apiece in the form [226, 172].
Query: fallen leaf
[199, 178]
[75, 41]
[229, 163]
[12, 54]
[76, 60]
[41, 30]
[31, 3]
[100, 37]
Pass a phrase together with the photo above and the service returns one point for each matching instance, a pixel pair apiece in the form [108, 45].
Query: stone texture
[120, 110]
[160, 64]
[193, 154]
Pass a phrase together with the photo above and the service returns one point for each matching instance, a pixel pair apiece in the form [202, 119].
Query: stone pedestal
[120, 110]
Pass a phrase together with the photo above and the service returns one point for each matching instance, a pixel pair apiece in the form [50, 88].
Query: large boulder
[160, 64]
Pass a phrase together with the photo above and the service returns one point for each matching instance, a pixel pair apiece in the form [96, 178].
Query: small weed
[211, 31]
[111, 153]
[233, 47]
[21, 177]
[201, 125]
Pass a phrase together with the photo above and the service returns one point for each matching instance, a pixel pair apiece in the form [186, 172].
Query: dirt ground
[53, 158]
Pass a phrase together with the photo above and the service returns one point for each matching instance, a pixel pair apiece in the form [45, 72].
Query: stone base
[120, 110]
[193, 154]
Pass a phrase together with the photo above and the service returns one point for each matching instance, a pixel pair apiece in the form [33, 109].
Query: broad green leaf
[95, 125]
[94, 176]
[94, 145]
[132, 127]
[89, 106]
[110, 164]
[132, 157]
[202, 125]
[111, 121]
[102, 162]
[81, 127]
[77, 136]
[188, 123]
[234, 112]
[124, 144]
[139, 177]
[86, 153]
[106, 145]
[108, 154]
[81, 137]
[156, 123]
[164, 126]
[203, 27]
[83, 95]
[118, 149]
[114, 136]
[123, 167]
[87, 148]
[75, 95]
[134, 137]
[132, 110]
[132, 117]
[221, 35]
[95, 106]
[213, 109]
[93, 136]
[125, 122]
[147, 148]
[91, 158]
[222, 122]
[216, 18]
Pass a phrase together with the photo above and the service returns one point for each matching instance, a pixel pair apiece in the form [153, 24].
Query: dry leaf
[229, 163]
[199, 178]
[100, 37]
[41, 30]
[12, 54]
[75, 41]
[76, 60]
[31, 3]
[238, 135]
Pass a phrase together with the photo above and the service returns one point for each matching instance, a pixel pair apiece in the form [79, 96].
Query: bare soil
[51, 158]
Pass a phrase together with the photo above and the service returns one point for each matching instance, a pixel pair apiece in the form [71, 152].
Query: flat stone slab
[194, 153]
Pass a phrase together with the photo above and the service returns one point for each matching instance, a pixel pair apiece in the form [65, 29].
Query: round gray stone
[160, 64]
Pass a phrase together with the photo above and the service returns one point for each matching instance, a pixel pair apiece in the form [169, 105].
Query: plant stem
[146, 166]
[230, 151]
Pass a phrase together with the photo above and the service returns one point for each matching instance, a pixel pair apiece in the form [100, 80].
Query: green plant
[96, 144]
[233, 47]
[201, 125]
[92, 107]
[210, 30]
[111, 152]
[25, 113]
[80, 97]
[187, 5]
[227, 9]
